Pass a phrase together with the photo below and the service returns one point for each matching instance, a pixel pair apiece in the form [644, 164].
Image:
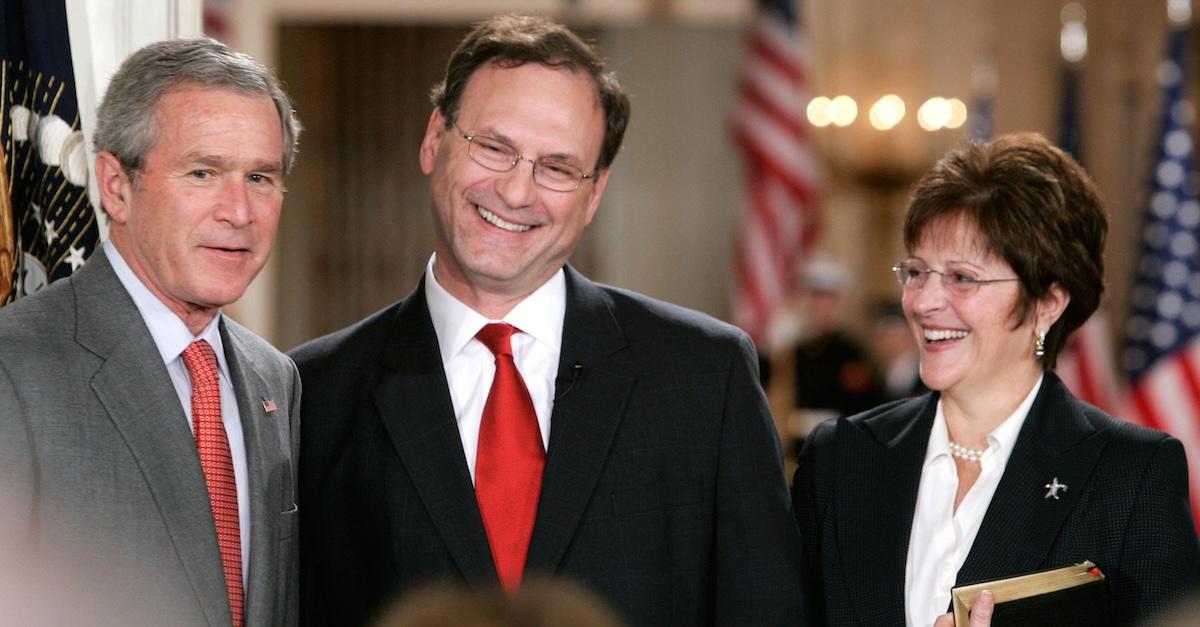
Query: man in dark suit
[510, 418]
[147, 440]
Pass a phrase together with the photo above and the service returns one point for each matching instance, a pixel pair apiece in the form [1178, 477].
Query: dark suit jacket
[1126, 508]
[98, 461]
[663, 489]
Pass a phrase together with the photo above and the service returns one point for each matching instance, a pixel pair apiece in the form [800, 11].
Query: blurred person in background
[820, 371]
[895, 353]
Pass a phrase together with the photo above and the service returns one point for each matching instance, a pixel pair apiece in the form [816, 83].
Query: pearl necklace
[967, 454]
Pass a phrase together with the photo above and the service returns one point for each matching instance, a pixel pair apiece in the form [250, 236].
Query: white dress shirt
[941, 536]
[171, 337]
[470, 366]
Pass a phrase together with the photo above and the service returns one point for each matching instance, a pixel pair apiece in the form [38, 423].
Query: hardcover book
[1071, 595]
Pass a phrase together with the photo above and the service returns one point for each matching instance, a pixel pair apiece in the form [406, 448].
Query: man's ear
[434, 131]
[597, 192]
[115, 185]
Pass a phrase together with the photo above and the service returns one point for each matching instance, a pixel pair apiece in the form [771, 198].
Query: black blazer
[1126, 508]
[663, 489]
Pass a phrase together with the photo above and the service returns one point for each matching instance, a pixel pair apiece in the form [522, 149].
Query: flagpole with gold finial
[8, 242]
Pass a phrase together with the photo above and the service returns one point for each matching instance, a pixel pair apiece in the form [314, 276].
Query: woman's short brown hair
[1035, 208]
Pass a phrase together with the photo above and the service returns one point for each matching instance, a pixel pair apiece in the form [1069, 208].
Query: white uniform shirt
[171, 337]
[942, 537]
[470, 366]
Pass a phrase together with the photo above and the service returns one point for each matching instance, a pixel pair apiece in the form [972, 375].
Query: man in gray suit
[146, 440]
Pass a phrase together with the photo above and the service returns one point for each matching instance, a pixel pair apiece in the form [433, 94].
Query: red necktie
[509, 461]
[217, 464]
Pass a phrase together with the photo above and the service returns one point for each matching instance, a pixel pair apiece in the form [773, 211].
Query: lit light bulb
[934, 114]
[844, 110]
[820, 111]
[887, 112]
[958, 113]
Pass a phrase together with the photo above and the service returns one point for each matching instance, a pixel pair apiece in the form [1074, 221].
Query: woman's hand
[981, 612]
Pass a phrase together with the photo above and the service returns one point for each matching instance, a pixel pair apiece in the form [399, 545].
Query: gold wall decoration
[8, 241]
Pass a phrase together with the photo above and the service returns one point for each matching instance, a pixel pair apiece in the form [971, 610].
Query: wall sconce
[935, 114]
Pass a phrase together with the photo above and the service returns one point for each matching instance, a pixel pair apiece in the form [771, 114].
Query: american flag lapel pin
[269, 405]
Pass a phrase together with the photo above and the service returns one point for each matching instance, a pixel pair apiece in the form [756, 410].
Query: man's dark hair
[513, 40]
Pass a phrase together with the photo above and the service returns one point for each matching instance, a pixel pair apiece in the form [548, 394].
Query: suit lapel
[878, 474]
[413, 400]
[589, 403]
[1021, 524]
[264, 454]
[138, 396]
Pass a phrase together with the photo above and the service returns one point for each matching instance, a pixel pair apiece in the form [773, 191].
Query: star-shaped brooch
[1053, 488]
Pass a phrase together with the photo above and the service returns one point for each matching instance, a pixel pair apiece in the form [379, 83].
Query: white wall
[103, 33]
[666, 227]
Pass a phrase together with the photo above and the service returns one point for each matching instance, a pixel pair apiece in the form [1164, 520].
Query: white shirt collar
[540, 315]
[1001, 440]
[170, 334]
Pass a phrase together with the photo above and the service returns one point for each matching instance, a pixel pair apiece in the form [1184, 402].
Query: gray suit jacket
[99, 464]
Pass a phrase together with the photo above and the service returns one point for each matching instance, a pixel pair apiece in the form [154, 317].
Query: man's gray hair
[125, 121]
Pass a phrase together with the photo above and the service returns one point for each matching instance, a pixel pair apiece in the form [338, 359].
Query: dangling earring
[1039, 345]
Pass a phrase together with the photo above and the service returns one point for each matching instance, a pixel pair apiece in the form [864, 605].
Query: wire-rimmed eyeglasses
[913, 274]
[553, 174]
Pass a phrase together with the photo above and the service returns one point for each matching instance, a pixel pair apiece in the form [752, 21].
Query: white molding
[103, 33]
[186, 19]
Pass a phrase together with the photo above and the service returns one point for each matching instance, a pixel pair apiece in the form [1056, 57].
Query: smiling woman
[973, 345]
[1014, 231]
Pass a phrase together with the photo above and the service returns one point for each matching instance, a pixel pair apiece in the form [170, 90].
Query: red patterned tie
[217, 463]
[509, 461]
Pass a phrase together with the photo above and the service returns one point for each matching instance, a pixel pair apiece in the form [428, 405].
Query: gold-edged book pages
[1021, 587]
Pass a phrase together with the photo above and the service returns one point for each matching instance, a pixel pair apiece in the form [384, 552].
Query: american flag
[1086, 364]
[1162, 338]
[780, 218]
